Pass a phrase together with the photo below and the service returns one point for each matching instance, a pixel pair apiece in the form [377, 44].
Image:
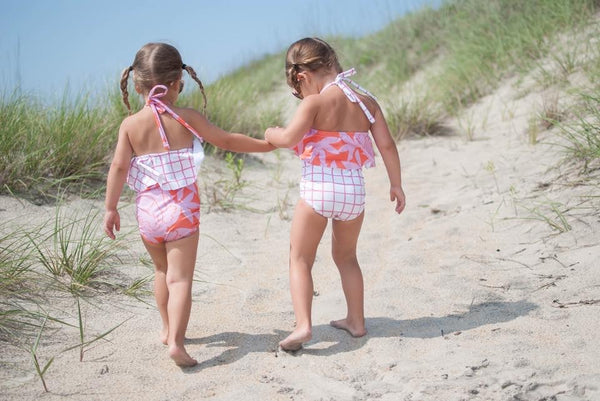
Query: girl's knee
[344, 258]
[178, 280]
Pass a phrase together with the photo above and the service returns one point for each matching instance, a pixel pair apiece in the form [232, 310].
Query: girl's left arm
[389, 152]
[117, 176]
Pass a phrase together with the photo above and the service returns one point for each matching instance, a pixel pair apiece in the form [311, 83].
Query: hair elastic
[183, 66]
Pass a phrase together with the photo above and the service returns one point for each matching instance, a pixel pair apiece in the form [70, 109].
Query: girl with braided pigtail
[158, 153]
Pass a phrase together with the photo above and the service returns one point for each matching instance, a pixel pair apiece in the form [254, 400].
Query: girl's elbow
[119, 167]
[284, 143]
[388, 146]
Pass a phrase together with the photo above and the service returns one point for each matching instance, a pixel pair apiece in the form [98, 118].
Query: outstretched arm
[220, 138]
[387, 147]
[115, 181]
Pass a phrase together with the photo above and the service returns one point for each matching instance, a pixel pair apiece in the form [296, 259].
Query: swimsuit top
[172, 169]
[339, 149]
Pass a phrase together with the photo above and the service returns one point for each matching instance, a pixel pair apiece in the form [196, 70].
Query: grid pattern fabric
[333, 192]
[170, 170]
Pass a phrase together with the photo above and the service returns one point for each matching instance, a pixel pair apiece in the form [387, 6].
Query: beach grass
[473, 46]
[73, 252]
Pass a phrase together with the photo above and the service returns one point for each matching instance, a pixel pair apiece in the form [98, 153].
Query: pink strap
[158, 107]
[342, 81]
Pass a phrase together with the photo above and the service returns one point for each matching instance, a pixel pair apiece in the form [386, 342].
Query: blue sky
[47, 45]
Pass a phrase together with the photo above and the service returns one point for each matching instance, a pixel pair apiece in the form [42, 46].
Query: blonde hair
[312, 54]
[156, 64]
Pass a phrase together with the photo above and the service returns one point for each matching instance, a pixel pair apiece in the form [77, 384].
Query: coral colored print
[345, 150]
[168, 215]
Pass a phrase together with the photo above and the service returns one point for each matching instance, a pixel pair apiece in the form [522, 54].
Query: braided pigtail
[192, 73]
[124, 92]
[293, 73]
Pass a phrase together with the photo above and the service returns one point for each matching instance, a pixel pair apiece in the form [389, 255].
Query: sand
[470, 294]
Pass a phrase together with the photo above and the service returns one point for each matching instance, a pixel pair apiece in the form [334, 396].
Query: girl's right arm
[225, 140]
[117, 175]
[387, 147]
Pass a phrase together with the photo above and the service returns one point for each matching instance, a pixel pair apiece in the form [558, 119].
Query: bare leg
[305, 235]
[158, 253]
[181, 256]
[345, 238]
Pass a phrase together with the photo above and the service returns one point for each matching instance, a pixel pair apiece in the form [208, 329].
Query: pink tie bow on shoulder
[342, 81]
[158, 107]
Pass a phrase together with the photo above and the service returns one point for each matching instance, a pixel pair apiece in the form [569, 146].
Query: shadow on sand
[241, 344]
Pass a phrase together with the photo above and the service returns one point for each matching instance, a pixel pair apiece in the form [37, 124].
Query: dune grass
[48, 148]
[472, 45]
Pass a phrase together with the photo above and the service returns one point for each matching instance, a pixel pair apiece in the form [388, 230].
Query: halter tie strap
[342, 81]
[158, 107]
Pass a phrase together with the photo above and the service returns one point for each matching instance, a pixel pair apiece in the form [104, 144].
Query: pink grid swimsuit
[168, 203]
[332, 181]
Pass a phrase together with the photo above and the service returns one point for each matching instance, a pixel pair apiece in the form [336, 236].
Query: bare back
[337, 113]
[144, 136]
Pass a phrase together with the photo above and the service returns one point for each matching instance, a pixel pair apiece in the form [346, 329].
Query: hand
[112, 221]
[269, 133]
[397, 194]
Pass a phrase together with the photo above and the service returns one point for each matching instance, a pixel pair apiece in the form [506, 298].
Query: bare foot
[294, 341]
[354, 330]
[181, 357]
[164, 334]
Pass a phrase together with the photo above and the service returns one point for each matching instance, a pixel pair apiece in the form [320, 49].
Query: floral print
[346, 150]
[168, 215]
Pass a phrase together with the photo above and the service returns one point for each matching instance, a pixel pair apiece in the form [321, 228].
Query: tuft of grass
[551, 213]
[39, 369]
[221, 192]
[83, 342]
[583, 134]
[73, 253]
[550, 116]
[415, 118]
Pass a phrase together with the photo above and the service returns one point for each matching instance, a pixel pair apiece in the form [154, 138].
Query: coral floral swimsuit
[168, 203]
[332, 181]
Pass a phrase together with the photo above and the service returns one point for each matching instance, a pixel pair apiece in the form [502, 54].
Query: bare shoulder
[129, 122]
[188, 113]
[310, 106]
[371, 103]
[312, 101]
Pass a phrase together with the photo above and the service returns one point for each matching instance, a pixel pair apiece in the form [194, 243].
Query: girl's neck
[325, 79]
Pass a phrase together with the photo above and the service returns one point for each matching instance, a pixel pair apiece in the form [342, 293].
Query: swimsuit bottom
[333, 193]
[168, 215]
